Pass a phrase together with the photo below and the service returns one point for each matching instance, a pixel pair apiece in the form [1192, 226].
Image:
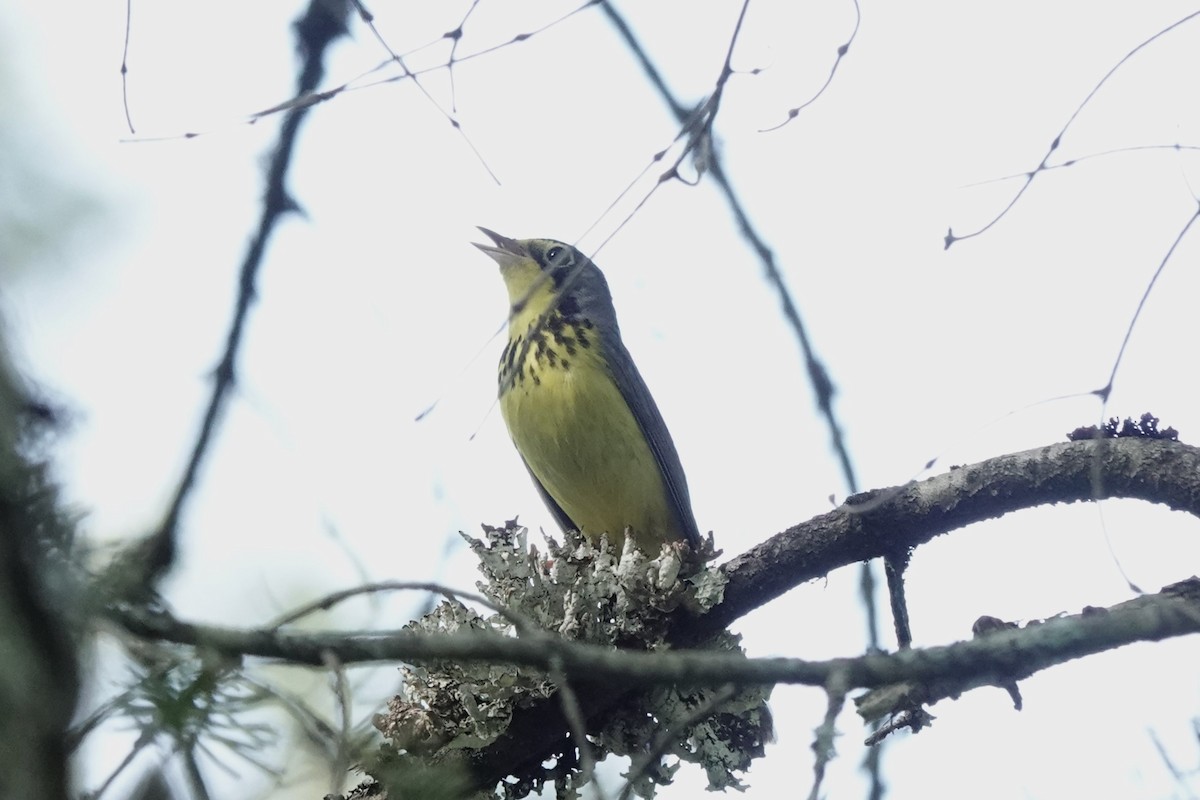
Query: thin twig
[1104, 391]
[368, 19]
[322, 24]
[125, 64]
[341, 760]
[195, 776]
[1074, 162]
[333, 598]
[822, 385]
[145, 738]
[666, 737]
[842, 50]
[520, 623]
[826, 733]
[577, 725]
[951, 238]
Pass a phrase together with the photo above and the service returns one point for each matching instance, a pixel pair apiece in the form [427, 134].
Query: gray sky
[373, 305]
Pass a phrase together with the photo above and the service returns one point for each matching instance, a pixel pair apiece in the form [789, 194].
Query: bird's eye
[553, 253]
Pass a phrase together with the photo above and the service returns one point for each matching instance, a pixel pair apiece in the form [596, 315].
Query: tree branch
[878, 523]
[1000, 658]
[899, 518]
[886, 521]
[993, 658]
[320, 26]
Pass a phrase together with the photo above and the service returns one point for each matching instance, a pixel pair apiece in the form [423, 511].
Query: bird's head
[535, 270]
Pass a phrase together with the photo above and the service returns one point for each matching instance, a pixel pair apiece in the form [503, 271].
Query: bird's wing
[641, 404]
[560, 516]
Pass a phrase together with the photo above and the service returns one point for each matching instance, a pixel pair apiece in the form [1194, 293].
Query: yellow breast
[577, 434]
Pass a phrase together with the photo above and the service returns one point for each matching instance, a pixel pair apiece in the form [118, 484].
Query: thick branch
[998, 657]
[1001, 658]
[880, 523]
[887, 521]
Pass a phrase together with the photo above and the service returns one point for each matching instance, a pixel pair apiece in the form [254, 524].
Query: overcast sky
[373, 305]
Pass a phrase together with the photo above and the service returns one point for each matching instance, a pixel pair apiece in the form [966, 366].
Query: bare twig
[341, 760]
[1104, 391]
[144, 739]
[576, 723]
[322, 23]
[333, 598]
[826, 733]
[951, 238]
[997, 659]
[842, 50]
[696, 125]
[1156, 470]
[125, 64]
[1179, 775]
[685, 115]
[195, 777]
[1074, 162]
[662, 743]
[368, 19]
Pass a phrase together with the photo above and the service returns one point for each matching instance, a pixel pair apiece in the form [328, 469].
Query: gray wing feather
[649, 419]
[560, 516]
[590, 290]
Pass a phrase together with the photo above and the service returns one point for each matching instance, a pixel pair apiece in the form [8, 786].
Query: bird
[576, 406]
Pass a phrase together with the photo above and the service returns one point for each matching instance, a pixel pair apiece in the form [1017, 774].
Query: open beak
[506, 251]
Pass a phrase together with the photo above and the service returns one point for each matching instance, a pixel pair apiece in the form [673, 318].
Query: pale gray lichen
[723, 743]
[584, 592]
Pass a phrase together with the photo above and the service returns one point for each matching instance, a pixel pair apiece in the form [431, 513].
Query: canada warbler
[576, 406]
